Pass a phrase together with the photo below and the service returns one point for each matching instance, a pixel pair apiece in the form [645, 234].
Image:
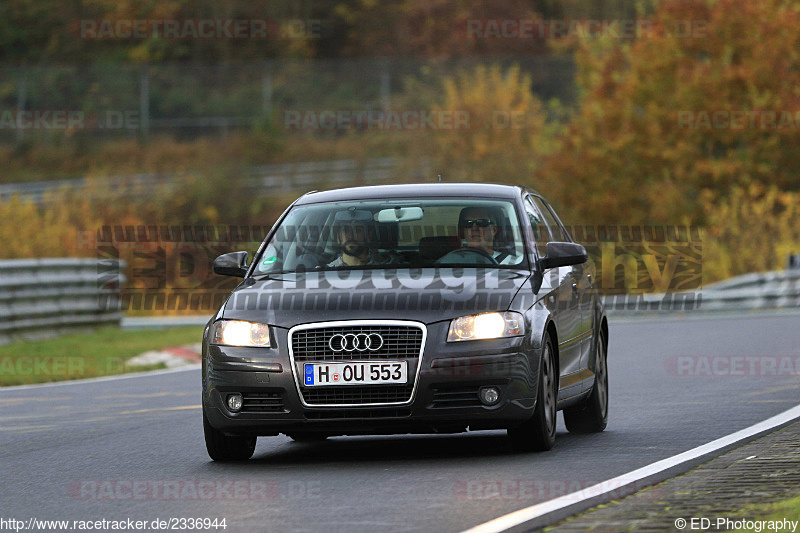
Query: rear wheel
[223, 447]
[591, 416]
[539, 433]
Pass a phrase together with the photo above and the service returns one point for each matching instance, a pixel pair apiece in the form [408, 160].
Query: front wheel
[539, 433]
[591, 416]
[223, 447]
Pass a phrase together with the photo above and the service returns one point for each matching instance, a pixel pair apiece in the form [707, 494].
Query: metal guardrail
[45, 297]
[285, 177]
[776, 279]
[777, 289]
[335, 173]
[40, 192]
[149, 322]
[42, 297]
[762, 290]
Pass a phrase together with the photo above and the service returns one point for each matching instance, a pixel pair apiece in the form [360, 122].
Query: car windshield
[395, 234]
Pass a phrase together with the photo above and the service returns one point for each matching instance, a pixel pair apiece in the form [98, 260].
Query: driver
[477, 228]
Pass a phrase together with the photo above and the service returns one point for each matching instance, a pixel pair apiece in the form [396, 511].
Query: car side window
[564, 231]
[556, 233]
[540, 230]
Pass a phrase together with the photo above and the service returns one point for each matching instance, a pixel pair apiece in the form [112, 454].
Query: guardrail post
[386, 85]
[144, 102]
[22, 97]
[266, 90]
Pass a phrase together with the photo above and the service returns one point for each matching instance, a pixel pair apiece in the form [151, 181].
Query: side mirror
[232, 264]
[560, 254]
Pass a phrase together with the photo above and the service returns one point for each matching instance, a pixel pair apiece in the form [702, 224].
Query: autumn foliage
[697, 122]
[663, 134]
[505, 133]
[627, 155]
[751, 229]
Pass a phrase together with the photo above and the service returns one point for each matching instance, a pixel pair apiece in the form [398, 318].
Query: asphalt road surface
[133, 448]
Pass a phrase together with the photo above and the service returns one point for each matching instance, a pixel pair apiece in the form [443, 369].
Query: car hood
[426, 295]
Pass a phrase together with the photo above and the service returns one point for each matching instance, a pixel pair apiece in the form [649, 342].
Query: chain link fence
[115, 100]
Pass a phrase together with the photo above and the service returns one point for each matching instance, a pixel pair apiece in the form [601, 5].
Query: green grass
[86, 355]
[786, 509]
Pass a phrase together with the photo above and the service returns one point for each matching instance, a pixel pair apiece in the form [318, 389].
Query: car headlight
[486, 326]
[241, 333]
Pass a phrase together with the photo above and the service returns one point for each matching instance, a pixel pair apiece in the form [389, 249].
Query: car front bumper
[445, 396]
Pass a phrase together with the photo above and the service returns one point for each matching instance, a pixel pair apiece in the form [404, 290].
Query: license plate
[363, 373]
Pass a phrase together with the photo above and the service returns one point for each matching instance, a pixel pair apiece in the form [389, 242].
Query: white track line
[527, 514]
[100, 379]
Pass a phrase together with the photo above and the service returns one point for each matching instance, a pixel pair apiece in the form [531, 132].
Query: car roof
[414, 190]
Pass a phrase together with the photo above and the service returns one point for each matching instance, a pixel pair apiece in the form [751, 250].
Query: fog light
[234, 401]
[489, 395]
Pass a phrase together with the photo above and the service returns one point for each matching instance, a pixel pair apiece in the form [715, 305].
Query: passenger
[356, 240]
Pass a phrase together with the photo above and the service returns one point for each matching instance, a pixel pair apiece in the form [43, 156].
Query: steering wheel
[477, 251]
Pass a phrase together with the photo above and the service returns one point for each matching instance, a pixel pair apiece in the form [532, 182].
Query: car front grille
[400, 342]
[354, 395]
[357, 413]
[456, 397]
[262, 402]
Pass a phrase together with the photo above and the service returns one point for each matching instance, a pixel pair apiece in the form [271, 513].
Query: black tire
[539, 433]
[307, 437]
[223, 447]
[591, 416]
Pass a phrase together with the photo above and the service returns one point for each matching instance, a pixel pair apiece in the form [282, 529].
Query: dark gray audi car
[423, 308]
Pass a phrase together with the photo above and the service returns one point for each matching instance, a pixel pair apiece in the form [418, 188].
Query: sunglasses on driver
[480, 222]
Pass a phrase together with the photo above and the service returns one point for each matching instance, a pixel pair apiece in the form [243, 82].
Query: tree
[644, 145]
[490, 126]
[434, 28]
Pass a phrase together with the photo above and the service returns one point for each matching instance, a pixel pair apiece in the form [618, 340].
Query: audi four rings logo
[360, 342]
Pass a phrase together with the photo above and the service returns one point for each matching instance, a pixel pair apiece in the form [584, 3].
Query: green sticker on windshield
[269, 260]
